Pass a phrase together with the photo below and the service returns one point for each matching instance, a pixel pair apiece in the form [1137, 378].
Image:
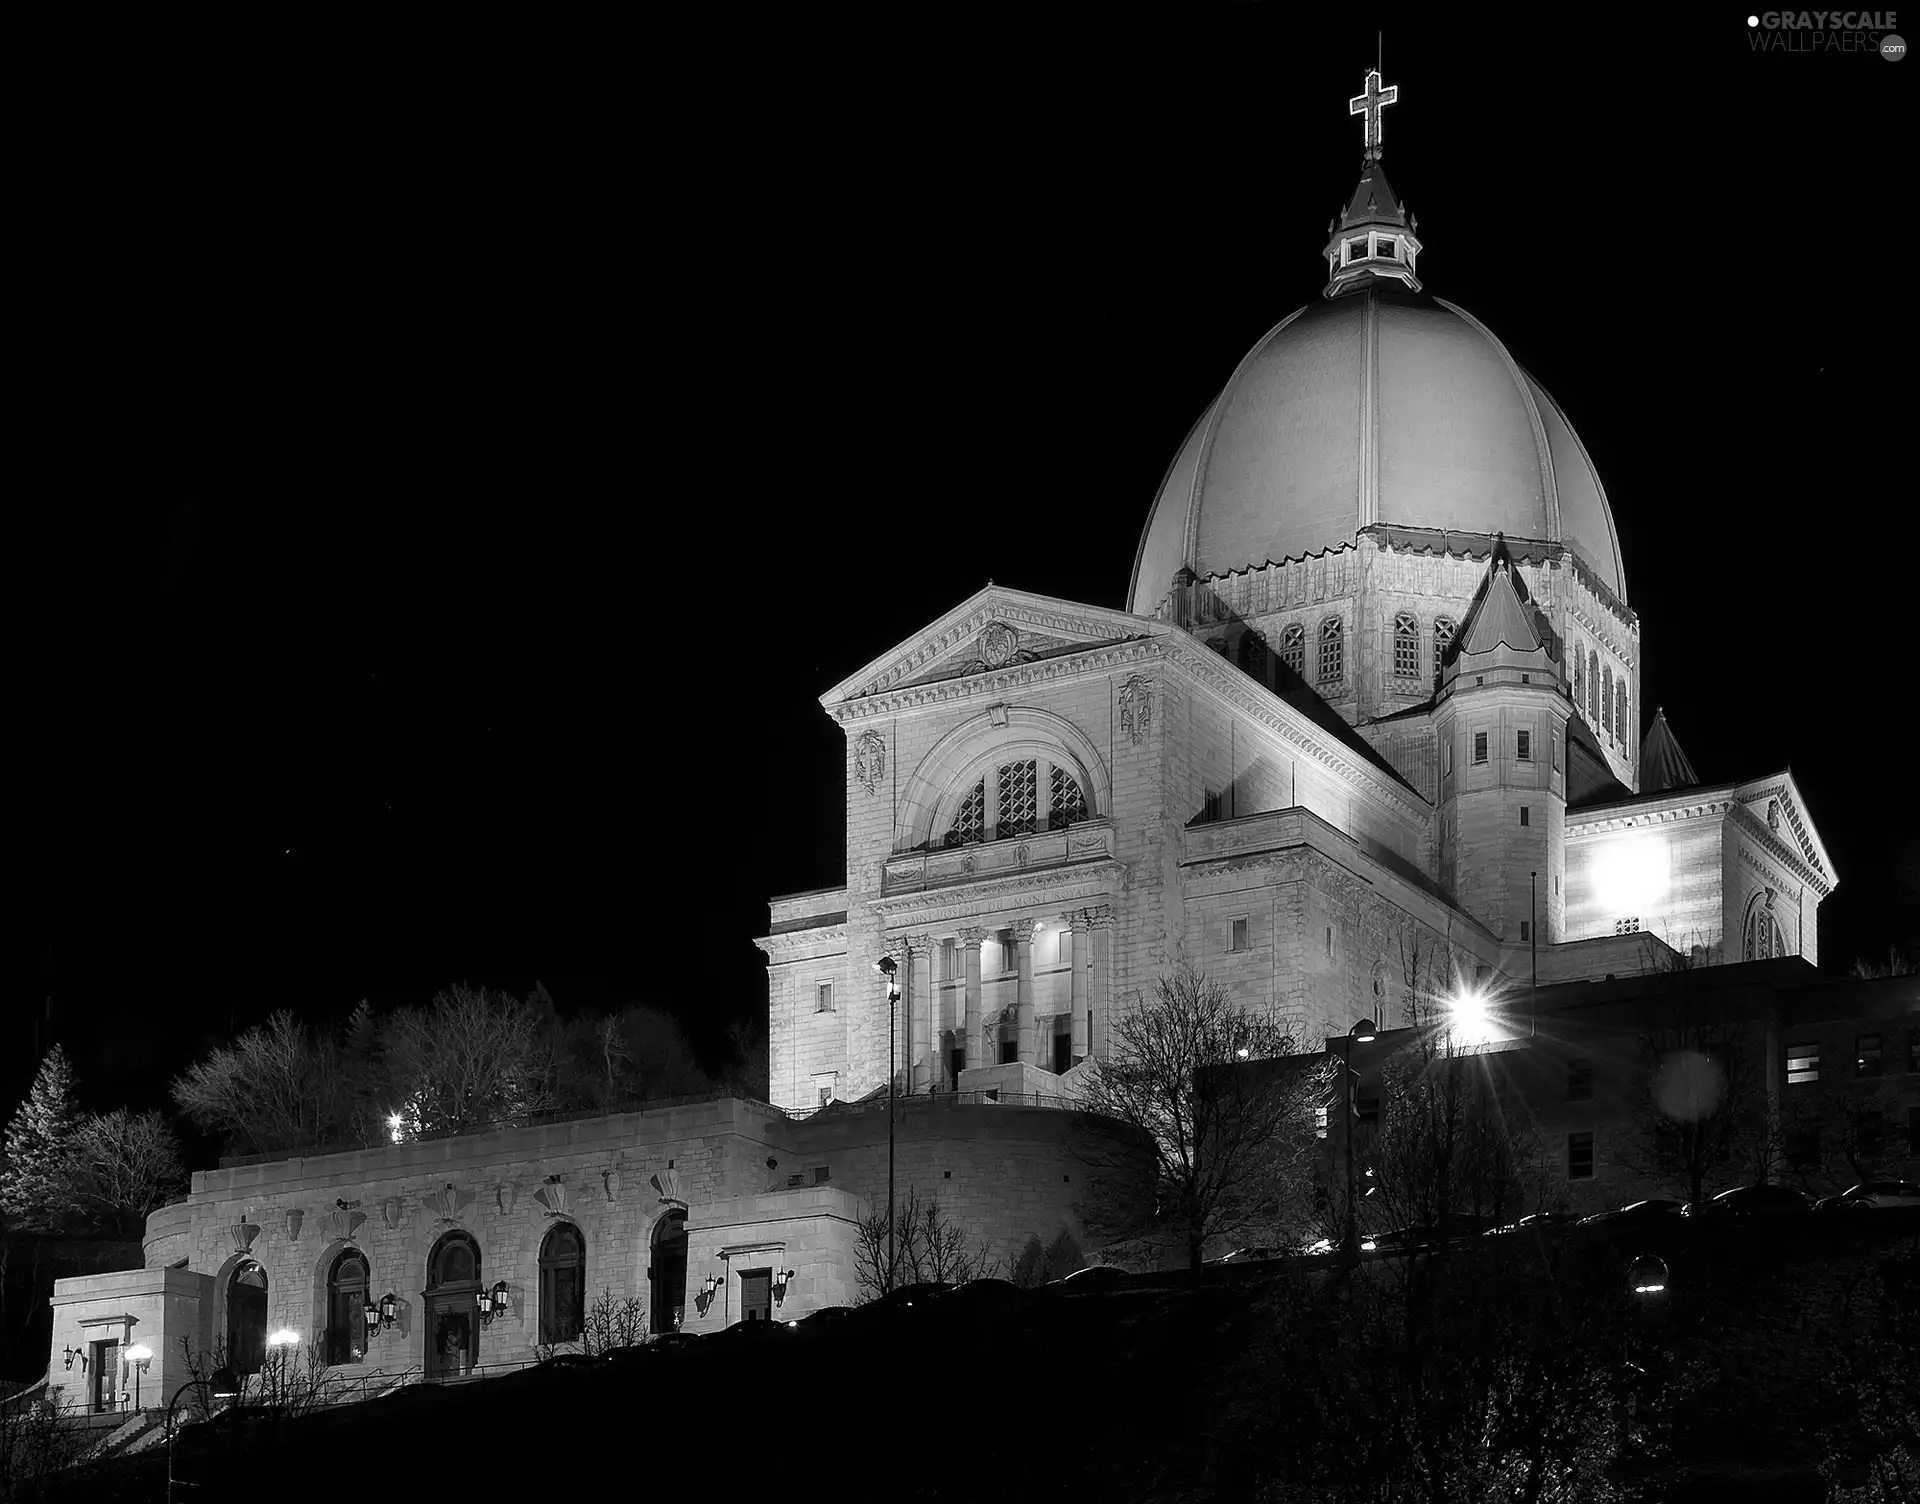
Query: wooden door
[453, 1325]
[756, 1295]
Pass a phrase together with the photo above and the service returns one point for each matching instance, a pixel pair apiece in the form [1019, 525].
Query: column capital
[1081, 920]
[1100, 915]
[1022, 931]
[973, 937]
[916, 944]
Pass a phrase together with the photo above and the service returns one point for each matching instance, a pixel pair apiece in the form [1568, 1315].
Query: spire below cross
[1370, 104]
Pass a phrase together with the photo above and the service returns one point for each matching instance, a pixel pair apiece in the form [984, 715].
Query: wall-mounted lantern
[780, 1278]
[493, 1303]
[76, 1352]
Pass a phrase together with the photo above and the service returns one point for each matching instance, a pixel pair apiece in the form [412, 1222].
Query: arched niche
[975, 748]
[667, 1270]
[451, 1333]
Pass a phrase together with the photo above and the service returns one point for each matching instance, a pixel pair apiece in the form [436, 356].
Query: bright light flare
[285, 1337]
[139, 1353]
[1470, 1017]
[1648, 1289]
[1632, 875]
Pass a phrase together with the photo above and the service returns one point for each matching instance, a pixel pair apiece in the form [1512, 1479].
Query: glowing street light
[285, 1337]
[394, 1123]
[1470, 1016]
[139, 1356]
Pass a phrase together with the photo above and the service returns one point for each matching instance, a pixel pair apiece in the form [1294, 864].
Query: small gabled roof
[1662, 764]
[1373, 201]
[1499, 617]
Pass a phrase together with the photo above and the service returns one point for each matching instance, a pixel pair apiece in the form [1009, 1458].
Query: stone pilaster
[923, 1038]
[1081, 980]
[1023, 995]
[971, 939]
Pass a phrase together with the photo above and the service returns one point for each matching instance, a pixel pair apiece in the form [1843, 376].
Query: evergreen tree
[39, 1186]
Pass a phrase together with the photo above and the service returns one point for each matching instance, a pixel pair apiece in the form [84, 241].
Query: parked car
[1451, 1228]
[1754, 1201]
[982, 1298]
[911, 1295]
[1247, 1256]
[1536, 1222]
[1655, 1210]
[825, 1316]
[1874, 1195]
[1093, 1277]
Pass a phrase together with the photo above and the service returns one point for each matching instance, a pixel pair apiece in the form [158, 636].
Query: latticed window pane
[1293, 649]
[1442, 640]
[1332, 660]
[1253, 656]
[1017, 805]
[1406, 647]
[970, 821]
[1066, 805]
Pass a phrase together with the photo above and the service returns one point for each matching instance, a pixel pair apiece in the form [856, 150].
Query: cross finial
[1370, 104]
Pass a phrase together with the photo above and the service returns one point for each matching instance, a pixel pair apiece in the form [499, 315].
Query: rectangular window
[1481, 973]
[1479, 746]
[1237, 935]
[823, 998]
[1356, 250]
[1526, 817]
[1579, 1156]
[1803, 1064]
[1580, 1080]
[1525, 750]
[822, 1096]
[1449, 755]
[1009, 1051]
[1386, 248]
[822, 1175]
[949, 961]
[1628, 926]
[1062, 1054]
[1866, 1055]
[1556, 751]
[1210, 807]
[956, 1063]
[1526, 929]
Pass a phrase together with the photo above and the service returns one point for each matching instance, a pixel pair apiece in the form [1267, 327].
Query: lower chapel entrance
[452, 1307]
[667, 1274]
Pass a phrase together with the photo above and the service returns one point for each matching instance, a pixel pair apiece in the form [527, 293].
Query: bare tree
[1207, 1090]
[927, 1248]
[274, 1089]
[1835, 1132]
[471, 1059]
[1897, 964]
[1703, 1111]
[129, 1163]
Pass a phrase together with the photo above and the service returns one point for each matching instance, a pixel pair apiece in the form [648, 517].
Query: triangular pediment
[995, 629]
[1775, 802]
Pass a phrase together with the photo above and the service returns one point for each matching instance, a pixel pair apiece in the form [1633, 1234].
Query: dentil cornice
[783, 946]
[995, 683]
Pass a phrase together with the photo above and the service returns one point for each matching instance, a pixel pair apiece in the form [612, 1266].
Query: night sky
[441, 494]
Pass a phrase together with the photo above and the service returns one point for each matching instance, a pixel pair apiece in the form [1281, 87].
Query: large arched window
[563, 1284]
[1443, 630]
[1764, 939]
[1066, 803]
[1593, 689]
[1579, 679]
[1293, 649]
[346, 1305]
[1606, 699]
[247, 1318]
[1620, 711]
[1333, 662]
[1406, 646]
[453, 1317]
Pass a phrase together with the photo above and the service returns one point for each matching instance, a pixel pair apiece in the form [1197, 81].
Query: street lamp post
[889, 968]
[1363, 1033]
[221, 1385]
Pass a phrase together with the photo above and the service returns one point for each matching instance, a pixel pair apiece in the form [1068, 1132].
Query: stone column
[1100, 988]
[1082, 978]
[919, 1074]
[902, 1042]
[971, 939]
[1023, 995]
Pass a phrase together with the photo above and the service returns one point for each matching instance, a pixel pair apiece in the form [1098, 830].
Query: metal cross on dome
[1371, 104]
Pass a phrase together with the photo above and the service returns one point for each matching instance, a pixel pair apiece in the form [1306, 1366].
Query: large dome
[1375, 407]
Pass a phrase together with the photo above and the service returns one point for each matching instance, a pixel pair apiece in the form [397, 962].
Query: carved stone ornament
[997, 714]
[343, 1221]
[1136, 708]
[447, 1202]
[503, 1198]
[667, 1183]
[998, 644]
[390, 1212]
[1022, 855]
[612, 1180]
[870, 761]
[1773, 814]
[1769, 898]
[552, 1196]
[294, 1220]
[244, 1233]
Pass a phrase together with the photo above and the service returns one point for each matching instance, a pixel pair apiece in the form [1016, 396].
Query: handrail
[919, 1100]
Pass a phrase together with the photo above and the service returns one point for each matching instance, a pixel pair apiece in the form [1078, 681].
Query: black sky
[444, 491]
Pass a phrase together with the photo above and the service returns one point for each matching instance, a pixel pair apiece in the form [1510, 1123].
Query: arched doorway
[667, 1274]
[563, 1284]
[346, 1303]
[453, 1313]
[247, 1318]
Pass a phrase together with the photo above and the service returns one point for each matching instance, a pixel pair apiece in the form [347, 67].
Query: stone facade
[759, 1190]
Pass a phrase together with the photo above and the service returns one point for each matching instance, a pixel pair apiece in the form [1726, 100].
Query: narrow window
[1556, 751]
[1386, 249]
[1293, 649]
[1579, 679]
[1525, 810]
[1449, 754]
[563, 1272]
[1526, 929]
[1406, 647]
[1620, 708]
[823, 998]
[1803, 1064]
[1479, 747]
[1443, 630]
[1606, 699]
[949, 961]
[1066, 805]
[1329, 940]
[1593, 689]
[1524, 751]
[1866, 1055]
[1017, 802]
[1237, 935]
[1579, 1156]
[1356, 250]
[821, 1175]
[1009, 960]
[1332, 656]
[1253, 656]
[1210, 807]
[1580, 1080]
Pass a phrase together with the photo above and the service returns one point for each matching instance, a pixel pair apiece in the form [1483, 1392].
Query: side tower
[1501, 724]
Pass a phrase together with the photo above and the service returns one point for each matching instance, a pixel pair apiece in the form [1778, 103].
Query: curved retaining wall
[169, 1235]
